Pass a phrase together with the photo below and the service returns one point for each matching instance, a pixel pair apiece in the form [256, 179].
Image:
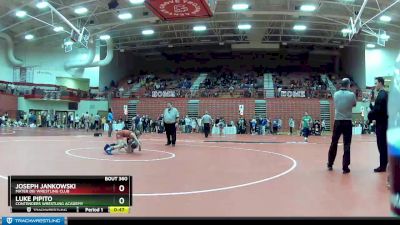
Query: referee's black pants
[381, 129]
[344, 127]
[170, 129]
[110, 123]
[206, 129]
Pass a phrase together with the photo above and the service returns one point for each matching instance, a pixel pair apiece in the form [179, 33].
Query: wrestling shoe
[108, 150]
[106, 146]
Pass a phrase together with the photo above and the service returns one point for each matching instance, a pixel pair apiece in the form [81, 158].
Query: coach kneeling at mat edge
[171, 119]
[344, 101]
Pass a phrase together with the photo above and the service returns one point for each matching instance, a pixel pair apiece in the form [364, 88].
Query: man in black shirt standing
[380, 115]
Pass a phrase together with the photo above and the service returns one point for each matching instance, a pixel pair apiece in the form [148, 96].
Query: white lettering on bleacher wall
[293, 94]
[163, 94]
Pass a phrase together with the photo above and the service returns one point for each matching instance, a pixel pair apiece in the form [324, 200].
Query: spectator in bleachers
[231, 89]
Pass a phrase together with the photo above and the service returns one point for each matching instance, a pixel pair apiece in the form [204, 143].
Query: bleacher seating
[230, 84]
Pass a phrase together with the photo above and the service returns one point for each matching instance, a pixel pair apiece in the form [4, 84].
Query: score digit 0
[121, 201]
[121, 188]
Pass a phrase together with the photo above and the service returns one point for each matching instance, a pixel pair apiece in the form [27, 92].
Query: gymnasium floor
[280, 177]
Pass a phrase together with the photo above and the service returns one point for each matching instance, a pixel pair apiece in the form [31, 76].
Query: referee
[110, 118]
[344, 101]
[171, 119]
[206, 120]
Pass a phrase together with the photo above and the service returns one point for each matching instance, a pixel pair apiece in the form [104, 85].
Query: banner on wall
[163, 94]
[293, 94]
[181, 9]
[22, 74]
[241, 110]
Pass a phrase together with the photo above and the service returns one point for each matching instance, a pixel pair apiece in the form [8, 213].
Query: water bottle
[393, 136]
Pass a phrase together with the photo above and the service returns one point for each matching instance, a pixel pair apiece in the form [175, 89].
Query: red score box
[168, 10]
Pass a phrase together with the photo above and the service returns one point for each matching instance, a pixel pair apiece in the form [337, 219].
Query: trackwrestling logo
[33, 220]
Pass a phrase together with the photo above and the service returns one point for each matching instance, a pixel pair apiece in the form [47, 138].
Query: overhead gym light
[299, 27]
[385, 18]
[20, 14]
[104, 37]
[125, 16]
[136, 2]
[58, 29]
[244, 26]
[200, 28]
[370, 46]
[29, 37]
[42, 4]
[81, 10]
[346, 30]
[148, 32]
[308, 8]
[240, 6]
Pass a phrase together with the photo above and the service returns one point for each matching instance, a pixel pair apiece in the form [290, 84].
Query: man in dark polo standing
[379, 113]
[344, 101]
[171, 119]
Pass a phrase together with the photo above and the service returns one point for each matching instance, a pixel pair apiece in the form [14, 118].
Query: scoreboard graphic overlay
[70, 194]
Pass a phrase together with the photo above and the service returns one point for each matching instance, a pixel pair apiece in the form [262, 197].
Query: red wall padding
[285, 108]
[229, 108]
[8, 103]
